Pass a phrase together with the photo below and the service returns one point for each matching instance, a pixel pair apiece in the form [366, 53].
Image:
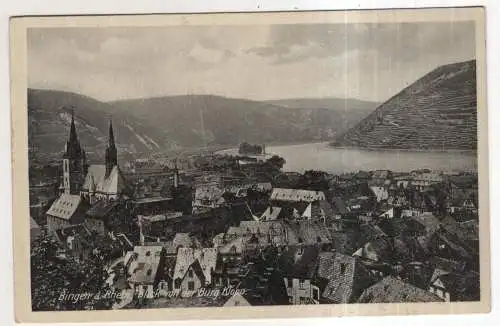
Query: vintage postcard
[250, 165]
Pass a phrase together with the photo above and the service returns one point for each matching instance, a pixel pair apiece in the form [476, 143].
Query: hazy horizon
[369, 62]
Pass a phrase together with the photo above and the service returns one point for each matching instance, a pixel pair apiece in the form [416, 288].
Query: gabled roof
[429, 221]
[294, 195]
[114, 183]
[101, 209]
[94, 177]
[271, 213]
[464, 286]
[299, 261]
[207, 258]
[392, 290]
[235, 246]
[33, 224]
[65, 206]
[96, 180]
[377, 250]
[77, 230]
[144, 268]
[182, 239]
[340, 272]
[210, 192]
[309, 232]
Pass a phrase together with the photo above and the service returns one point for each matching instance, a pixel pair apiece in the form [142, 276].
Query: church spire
[73, 149]
[111, 137]
[111, 152]
[74, 162]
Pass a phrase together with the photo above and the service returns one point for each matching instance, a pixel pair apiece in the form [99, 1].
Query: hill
[49, 114]
[438, 111]
[200, 120]
[349, 111]
[173, 122]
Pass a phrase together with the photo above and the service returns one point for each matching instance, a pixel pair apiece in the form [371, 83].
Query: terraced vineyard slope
[438, 111]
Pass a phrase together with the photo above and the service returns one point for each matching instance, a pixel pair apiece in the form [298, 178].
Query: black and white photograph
[267, 164]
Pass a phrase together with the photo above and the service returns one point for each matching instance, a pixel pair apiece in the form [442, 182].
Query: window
[290, 282]
[302, 284]
[316, 294]
[190, 273]
[149, 272]
[342, 268]
[191, 286]
[148, 253]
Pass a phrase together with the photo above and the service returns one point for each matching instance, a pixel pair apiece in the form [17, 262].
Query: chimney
[141, 234]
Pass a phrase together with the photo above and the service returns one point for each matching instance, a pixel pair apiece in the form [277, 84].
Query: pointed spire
[72, 133]
[111, 137]
[111, 159]
[73, 148]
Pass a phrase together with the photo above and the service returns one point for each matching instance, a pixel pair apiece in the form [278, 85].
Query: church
[84, 186]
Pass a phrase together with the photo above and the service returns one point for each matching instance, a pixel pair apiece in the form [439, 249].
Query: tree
[314, 180]
[59, 282]
[276, 162]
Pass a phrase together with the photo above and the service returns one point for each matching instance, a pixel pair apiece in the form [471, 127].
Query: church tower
[74, 163]
[111, 152]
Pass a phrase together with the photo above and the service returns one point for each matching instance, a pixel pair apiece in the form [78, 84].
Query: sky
[262, 62]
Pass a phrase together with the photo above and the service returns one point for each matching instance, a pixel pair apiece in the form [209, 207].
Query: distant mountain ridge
[173, 122]
[438, 111]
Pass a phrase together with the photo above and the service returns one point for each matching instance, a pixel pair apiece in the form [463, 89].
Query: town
[237, 230]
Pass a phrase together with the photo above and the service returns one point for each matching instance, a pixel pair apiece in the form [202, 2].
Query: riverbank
[430, 150]
[321, 156]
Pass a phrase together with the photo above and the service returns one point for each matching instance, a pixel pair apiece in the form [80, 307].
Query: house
[376, 256]
[381, 176]
[153, 205]
[102, 183]
[207, 197]
[447, 245]
[180, 240]
[193, 268]
[462, 186]
[392, 290]
[275, 231]
[76, 239]
[423, 180]
[463, 205]
[100, 217]
[298, 265]
[318, 210]
[342, 278]
[387, 212]
[430, 222]
[66, 210]
[402, 181]
[296, 195]
[35, 229]
[453, 286]
[145, 266]
[381, 192]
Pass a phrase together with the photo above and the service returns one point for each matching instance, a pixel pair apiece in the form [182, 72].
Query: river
[320, 156]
